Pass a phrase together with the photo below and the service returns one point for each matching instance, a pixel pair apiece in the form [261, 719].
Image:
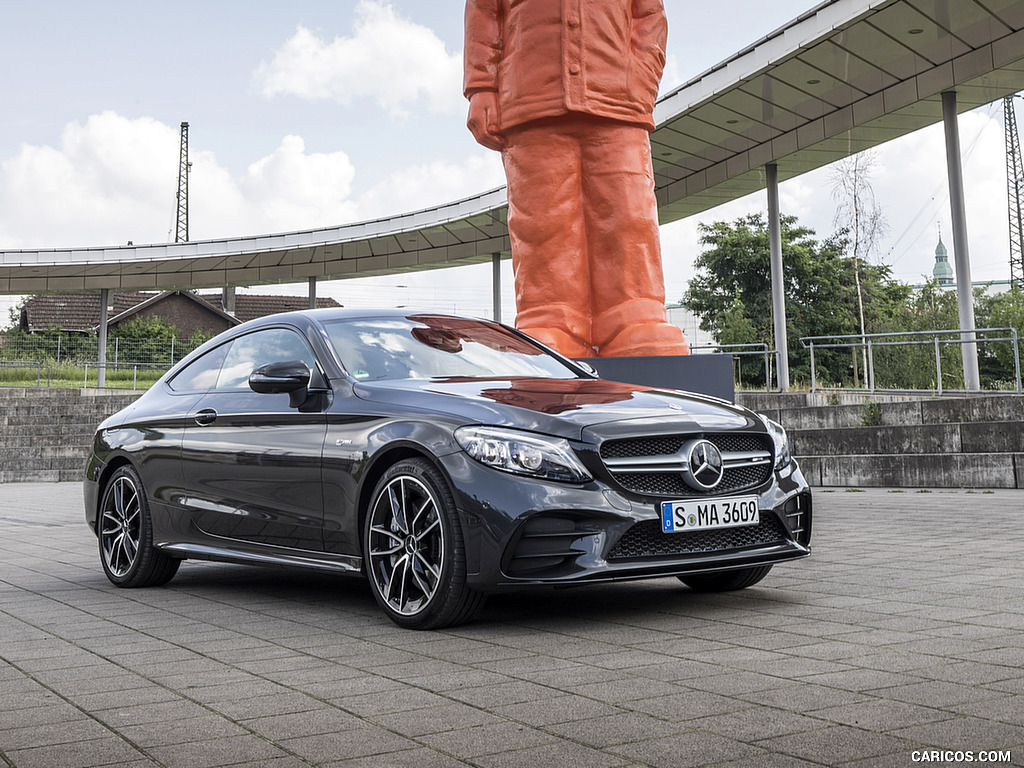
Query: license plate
[707, 514]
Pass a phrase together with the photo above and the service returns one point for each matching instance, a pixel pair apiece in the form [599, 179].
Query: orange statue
[565, 90]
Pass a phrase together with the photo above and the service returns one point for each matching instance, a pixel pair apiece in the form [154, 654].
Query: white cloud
[671, 77]
[112, 179]
[913, 188]
[388, 59]
[430, 184]
[291, 189]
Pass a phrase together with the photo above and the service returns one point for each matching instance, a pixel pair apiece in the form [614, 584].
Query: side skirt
[342, 563]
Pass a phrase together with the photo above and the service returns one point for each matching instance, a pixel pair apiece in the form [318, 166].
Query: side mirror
[291, 376]
[587, 367]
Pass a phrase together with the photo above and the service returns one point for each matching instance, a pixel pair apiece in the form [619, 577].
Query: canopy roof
[845, 76]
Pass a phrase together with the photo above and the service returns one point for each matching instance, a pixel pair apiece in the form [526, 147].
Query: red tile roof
[249, 306]
[81, 312]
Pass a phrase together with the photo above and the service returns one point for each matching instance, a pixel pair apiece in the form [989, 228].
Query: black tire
[125, 532]
[413, 549]
[726, 581]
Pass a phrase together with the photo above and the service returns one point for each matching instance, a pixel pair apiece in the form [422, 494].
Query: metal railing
[27, 365]
[741, 350]
[870, 342]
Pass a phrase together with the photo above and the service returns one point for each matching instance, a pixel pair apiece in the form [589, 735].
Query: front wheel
[125, 532]
[413, 550]
[726, 581]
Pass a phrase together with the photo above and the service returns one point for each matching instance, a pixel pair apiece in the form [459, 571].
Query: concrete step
[21, 432]
[39, 475]
[58, 419]
[921, 470]
[967, 437]
[71, 460]
[803, 411]
[58, 393]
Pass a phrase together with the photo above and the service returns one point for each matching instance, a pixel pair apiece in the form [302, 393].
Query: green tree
[912, 366]
[14, 316]
[143, 340]
[1003, 310]
[731, 293]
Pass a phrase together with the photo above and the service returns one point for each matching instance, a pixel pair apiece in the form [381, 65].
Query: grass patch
[73, 376]
[871, 414]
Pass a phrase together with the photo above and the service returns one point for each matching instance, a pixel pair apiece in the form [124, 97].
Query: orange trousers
[584, 229]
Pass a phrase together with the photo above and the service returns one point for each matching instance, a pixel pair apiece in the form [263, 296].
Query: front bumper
[523, 532]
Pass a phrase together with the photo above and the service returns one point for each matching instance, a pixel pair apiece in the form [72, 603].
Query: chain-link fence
[71, 360]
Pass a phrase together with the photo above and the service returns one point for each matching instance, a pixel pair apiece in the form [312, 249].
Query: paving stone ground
[900, 638]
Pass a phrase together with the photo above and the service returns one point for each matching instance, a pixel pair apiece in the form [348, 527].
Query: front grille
[654, 480]
[646, 539]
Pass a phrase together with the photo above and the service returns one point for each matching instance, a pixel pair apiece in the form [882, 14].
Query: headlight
[780, 439]
[523, 453]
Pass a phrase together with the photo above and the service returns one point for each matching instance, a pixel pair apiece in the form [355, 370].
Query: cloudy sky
[316, 113]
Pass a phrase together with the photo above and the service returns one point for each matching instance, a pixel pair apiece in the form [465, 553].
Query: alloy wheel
[406, 545]
[121, 525]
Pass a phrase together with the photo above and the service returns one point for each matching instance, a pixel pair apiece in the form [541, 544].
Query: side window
[249, 352]
[201, 373]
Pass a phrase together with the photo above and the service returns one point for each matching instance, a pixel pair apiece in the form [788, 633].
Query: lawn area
[30, 374]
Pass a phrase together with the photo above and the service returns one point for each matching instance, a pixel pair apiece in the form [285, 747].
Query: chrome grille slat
[654, 466]
[677, 463]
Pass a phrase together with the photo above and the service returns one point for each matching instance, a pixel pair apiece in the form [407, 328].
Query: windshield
[437, 346]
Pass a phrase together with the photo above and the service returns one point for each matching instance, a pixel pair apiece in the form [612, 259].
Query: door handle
[205, 417]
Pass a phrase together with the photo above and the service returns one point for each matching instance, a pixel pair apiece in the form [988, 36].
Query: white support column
[101, 369]
[496, 286]
[961, 254]
[778, 284]
[312, 292]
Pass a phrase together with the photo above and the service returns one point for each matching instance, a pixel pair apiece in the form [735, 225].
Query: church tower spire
[942, 272]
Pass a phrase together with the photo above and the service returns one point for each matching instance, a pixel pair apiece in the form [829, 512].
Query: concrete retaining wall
[930, 442]
[964, 442]
[45, 433]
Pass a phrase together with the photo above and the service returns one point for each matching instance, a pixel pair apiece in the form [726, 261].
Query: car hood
[564, 407]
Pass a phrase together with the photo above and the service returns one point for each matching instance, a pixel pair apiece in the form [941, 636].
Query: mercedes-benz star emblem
[704, 462]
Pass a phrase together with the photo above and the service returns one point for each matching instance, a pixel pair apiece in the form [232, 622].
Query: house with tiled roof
[189, 312]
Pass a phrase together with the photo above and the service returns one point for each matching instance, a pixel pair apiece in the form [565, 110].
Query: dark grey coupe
[443, 458]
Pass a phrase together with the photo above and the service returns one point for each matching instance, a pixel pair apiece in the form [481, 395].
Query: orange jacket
[546, 58]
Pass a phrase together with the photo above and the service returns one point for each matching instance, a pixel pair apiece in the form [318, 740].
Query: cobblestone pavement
[899, 639]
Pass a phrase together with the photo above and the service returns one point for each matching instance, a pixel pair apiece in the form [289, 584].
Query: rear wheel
[413, 549]
[726, 581]
[126, 535]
